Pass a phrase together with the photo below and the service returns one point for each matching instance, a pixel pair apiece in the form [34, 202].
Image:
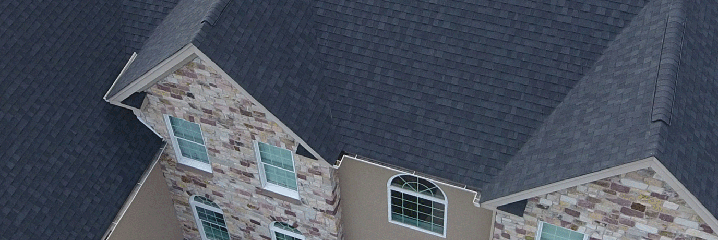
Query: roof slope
[455, 88]
[403, 83]
[605, 121]
[462, 89]
[690, 144]
[69, 159]
[270, 48]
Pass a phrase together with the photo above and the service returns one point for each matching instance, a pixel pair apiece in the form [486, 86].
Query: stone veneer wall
[636, 205]
[230, 122]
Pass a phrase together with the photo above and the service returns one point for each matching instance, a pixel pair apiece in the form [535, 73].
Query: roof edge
[493, 203]
[167, 66]
[650, 162]
[669, 64]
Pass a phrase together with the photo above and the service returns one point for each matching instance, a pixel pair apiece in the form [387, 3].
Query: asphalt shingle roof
[496, 95]
[604, 121]
[69, 159]
[689, 146]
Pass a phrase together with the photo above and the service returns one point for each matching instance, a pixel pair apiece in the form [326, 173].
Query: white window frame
[540, 230]
[444, 201]
[273, 187]
[194, 204]
[207, 167]
[274, 230]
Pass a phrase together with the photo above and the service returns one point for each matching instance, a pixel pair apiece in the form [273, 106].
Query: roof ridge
[669, 64]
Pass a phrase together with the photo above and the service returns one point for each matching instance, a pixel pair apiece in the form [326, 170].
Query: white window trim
[274, 230]
[207, 167]
[273, 187]
[194, 204]
[540, 229]
[444, 201]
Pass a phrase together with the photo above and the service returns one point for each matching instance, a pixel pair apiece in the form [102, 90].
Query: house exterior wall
[230, 122]
[365, 211]
[636, 205]
[151, 214]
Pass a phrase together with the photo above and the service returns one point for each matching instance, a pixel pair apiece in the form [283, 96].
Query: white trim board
[183, 56]
[650, 162]
[549, 188]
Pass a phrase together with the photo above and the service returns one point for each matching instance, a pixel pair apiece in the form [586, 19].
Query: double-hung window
[416, 203]
[209, 219]
[188, 143]
[547, 231]
[276, 168]
[282, 231]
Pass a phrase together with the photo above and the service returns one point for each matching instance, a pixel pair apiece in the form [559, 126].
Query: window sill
[204, 167]
[271, 194]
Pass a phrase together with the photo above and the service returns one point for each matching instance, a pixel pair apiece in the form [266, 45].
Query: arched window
[209, 219]
[417, 203]
[282, 231]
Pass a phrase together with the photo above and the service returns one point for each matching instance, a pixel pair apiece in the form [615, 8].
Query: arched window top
[205, 201]
[209, 218]
[418, 185]
[283, 231]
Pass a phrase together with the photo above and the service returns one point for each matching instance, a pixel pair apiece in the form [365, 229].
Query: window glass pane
[186, 130]
[278, 157]
[280, 177]
[417, 211]
[278, 168]
[213, 224]
[192, 150]
[553, 232]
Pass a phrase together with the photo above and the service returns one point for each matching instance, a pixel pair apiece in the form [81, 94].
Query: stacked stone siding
[231, 122]
[636, 205]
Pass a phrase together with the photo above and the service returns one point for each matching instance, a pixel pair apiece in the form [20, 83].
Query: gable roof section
[604, 121]
[399, 82]
[689, 146]
[270, 49]
[69, 159]
[455, 88]
[179, 27]
[635, 104]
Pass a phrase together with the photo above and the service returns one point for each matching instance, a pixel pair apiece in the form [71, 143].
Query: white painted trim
[549, 188]
[540, 229]
[263, 177]
[684, 193]
[164, 68]
[207, 167]
[133, 194]
[194, 204]
[273, 230]
[444, 201]
[129, 61]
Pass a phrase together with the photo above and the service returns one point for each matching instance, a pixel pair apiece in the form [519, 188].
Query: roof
[462, 89]
[605, 120]
[69, 159]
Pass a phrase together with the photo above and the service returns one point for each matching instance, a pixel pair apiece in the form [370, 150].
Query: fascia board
[164, 68]
[549, 188]
[650, 162]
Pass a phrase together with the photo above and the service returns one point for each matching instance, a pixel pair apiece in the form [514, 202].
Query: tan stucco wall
[364, 207]
[151, 215]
